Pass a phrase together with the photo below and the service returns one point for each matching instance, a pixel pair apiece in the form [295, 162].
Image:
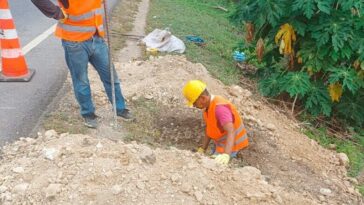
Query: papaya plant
[322, 45]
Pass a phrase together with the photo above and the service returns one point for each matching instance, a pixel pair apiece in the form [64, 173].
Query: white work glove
[222, 159]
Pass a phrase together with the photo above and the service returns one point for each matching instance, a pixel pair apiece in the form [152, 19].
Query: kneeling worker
[223, 123]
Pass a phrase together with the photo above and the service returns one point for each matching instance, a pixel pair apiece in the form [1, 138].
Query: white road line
[35, 42]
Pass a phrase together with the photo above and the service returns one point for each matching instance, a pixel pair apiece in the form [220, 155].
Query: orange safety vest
[85, 18]
[219, 136]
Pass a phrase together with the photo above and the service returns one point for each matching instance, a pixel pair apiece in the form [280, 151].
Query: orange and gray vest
[85, 18]
[220, 136]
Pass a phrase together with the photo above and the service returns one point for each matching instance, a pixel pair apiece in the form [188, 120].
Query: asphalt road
[22, 104]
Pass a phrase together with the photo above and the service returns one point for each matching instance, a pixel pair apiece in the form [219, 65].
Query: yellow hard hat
[193, 90]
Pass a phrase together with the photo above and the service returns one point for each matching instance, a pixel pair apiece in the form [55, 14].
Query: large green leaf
[351, 108]
[271, 85]
[347, 77]
[296, 83]
[318, 100]
[325, 6]
[306, 6]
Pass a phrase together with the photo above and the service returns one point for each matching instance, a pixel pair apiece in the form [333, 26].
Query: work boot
[90, 121]
[125, 115]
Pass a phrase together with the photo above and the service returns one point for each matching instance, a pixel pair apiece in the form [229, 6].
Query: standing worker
[223, 123]
[80, 26]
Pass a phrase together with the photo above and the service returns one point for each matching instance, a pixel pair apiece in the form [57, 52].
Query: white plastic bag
[164, 41]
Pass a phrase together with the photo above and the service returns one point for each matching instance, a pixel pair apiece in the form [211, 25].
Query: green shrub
[314, 52]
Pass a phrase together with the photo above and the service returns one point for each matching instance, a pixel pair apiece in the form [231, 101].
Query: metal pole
[111, 65]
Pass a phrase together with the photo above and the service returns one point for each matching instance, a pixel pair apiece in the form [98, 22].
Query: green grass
[361, 189]
[198, 17]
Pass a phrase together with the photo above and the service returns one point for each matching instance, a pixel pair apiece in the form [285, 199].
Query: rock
[209, 163]
[147, 155]
[21, 188]
[260, 123]
[277, 198]
[198, 195]
[185, 187]
[124, 160]
[50, 153]
[52, 190]
[6, 197]
[148, 97]
[271, 127]
[210, 187]
[326, 192]
[50, 134]
[353, 180]
[3, 189]
[247, 93]
[139, 63]
[116, 189]
[191, 165]
[140, 185]
[360, 177]
[134, 98]
[99, 145]
[235, 91]
[175, 177]
[332, 146]
[30, 140]
[322, 198]
[343, 158]
[18, 170]
[64, 135]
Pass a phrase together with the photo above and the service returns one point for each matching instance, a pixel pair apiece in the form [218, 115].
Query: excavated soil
[149, 161]
[281, 166]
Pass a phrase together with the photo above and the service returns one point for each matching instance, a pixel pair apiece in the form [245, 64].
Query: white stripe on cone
[5, 14]
[11, 53]
[9, 34]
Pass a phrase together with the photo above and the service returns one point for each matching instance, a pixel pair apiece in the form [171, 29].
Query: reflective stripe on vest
[220, 142]
[87, 15]
[85, 19]
[219, 136]
[85, 29]
[241, 128]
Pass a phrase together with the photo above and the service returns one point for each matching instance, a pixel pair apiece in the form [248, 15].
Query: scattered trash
[221, 8]
[164, 41]
[197, 40]
[239, 56]
[152, 51]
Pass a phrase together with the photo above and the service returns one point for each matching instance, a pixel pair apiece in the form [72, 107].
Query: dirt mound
[281, 166]
[64, 169]
[287, 157]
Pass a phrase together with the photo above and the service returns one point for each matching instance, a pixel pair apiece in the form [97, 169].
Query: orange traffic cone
[14, 67]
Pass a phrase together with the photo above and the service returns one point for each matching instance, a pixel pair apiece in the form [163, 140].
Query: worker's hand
[65, 16]
[222, 159]
[200, 150]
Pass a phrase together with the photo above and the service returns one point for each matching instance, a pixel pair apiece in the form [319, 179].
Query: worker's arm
[229, 128]
[49, 9]
[205, 142]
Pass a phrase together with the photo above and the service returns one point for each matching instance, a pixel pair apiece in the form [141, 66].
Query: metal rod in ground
[111, 65]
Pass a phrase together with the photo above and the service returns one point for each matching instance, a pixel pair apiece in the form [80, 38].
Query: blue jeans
[78, 55]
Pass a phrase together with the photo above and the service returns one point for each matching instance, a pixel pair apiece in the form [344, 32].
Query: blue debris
[239, 56]
[195, 39]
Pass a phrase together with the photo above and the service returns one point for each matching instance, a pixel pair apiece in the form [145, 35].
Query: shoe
[90, 121]
[126, 115]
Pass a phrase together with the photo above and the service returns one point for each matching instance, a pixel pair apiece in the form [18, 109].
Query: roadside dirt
[150, 161]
